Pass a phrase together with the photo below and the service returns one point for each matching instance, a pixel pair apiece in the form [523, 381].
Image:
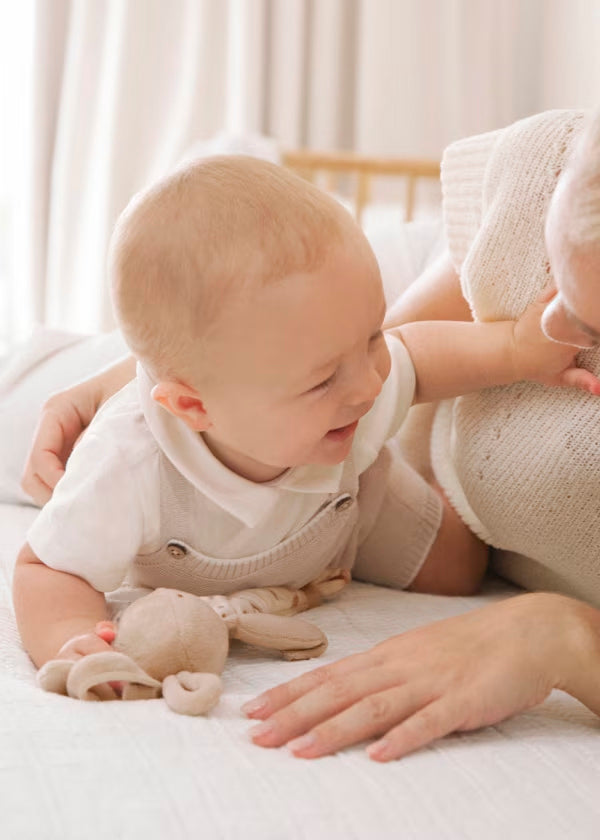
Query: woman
[522, 208]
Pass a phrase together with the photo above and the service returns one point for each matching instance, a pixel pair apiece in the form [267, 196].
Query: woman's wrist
[113, 378]
[563, 634]
[560, 636]
[580, 651]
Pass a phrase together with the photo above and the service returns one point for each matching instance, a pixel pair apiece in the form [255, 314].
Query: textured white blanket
[83, 771]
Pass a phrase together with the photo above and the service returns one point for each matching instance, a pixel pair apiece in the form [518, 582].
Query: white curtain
[123, 88]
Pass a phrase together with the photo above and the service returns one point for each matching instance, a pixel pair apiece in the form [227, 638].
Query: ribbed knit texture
[520, 463]
[387, 518]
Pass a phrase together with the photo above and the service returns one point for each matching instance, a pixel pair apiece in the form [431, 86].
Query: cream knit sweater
[520, 463]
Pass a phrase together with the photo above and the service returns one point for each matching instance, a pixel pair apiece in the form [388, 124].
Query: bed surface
[136, 771]
[70, 769]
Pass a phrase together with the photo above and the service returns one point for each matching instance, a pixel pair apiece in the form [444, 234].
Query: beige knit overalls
[388, 517]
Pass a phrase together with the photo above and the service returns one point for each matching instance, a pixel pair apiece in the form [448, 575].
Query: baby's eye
[324, 385]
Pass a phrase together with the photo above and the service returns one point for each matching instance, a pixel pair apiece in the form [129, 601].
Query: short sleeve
[94, 524]
[391, 406]
[463, 174]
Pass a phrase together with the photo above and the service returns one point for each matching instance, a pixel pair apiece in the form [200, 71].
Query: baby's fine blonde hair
[183, 247]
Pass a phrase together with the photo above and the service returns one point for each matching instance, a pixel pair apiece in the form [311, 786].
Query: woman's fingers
[339, 693]
[459, 673]
[427, 724]
[407, 717]
[283, 695]
[59, 427]
[43, 467]
[33, 485]
[373, 715]
[49, 468]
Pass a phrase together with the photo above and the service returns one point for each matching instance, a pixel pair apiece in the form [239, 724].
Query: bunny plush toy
[175, 644]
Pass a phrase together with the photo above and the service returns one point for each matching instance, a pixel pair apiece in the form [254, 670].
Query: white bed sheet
[71, 770]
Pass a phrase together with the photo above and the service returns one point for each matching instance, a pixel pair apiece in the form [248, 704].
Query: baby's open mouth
[342, 432]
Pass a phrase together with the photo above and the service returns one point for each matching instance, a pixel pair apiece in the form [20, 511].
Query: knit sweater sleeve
[464, 167]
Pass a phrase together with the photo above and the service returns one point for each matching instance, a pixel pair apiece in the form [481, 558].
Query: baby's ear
[184, 402]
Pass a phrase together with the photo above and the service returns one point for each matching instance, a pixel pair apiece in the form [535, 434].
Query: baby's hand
[540, 359]
[98, 641]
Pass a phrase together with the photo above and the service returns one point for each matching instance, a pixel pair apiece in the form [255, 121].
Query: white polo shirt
[106, 509]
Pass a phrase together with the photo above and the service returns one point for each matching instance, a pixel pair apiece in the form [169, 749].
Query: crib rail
[361, 170]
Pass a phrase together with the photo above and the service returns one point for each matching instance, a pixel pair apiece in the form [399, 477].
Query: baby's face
[296, 365]
[573, 316]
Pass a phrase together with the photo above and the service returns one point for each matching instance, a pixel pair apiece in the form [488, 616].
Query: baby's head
[212, 231]
[242, 288]
[573, 244]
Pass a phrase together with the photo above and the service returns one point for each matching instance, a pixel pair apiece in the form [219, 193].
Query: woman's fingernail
[261, 730]
[305, 742]
[380, 750]
[253, 707]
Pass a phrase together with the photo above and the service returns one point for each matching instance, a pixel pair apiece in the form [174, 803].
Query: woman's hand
[454, 675]
[64, 418]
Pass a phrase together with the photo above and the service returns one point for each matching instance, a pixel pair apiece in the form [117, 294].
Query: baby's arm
[453, 357]
[56, 612]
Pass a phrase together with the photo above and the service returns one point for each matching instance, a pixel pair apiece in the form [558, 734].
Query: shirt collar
[248, 501]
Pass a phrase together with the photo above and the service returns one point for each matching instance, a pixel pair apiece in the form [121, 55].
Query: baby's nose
[558, 326]
[367, 386]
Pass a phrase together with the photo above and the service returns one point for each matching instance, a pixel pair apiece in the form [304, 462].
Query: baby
[255, 446]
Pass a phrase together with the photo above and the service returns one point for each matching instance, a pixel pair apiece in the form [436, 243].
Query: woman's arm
[458, 674]
[64, 417]
[434, 296]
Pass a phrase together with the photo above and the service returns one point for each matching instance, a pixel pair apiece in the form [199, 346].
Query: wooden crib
[353, 175]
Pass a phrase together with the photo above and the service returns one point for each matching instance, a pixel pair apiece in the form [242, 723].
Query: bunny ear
[293, 637]
[89, 677]
[53, 675]
[191, 694]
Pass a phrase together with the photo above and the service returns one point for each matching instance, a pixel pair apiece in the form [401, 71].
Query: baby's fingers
[575, 377]
[106, 630]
